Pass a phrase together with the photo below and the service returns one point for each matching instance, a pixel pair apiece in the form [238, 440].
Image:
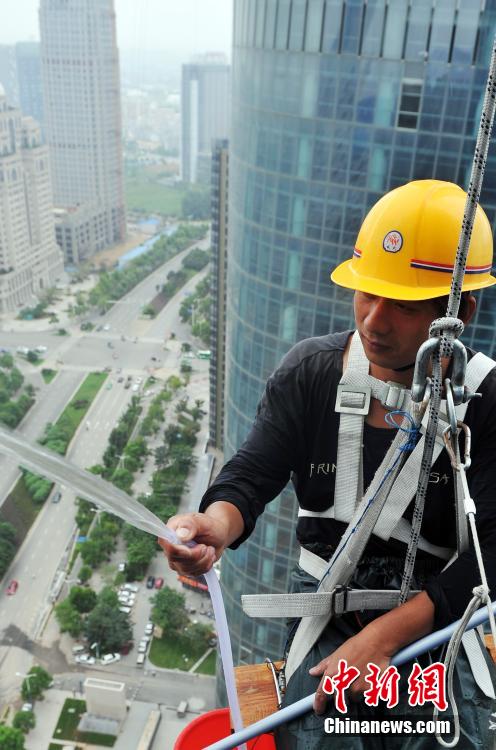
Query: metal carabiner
[420, 376]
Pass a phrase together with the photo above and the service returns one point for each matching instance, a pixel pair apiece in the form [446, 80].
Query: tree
[39, 680]
[7, 546]
[82, 599]
[24, 720]
[68, 618]
[169, 611]
[85, 573]
[107, 626]
[32, 357]
[92, 553]
[11, 738]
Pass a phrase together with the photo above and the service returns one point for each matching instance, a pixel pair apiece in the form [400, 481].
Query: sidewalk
[47, 714]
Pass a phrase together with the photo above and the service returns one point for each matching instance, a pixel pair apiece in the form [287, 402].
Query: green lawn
[169, 653]
[146, 194]
[208, 665]
[86, 392]
[69, 718]
[67, 724]
[48, 374]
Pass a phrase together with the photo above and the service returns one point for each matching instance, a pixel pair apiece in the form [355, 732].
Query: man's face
[392, 330]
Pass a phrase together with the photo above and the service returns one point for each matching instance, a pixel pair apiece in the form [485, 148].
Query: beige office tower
[80, 71]
[30, 260]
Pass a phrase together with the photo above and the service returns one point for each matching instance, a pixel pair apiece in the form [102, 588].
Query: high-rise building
[28, 64]
[30, 260]
[334, 103]
[205, 111]
[219, 233]
[80, 70]
[8, 74]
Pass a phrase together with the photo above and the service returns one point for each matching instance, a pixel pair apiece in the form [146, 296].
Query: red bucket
[212, 727]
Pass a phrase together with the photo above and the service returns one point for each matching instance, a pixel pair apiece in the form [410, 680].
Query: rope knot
[482, 593]
[452, 327]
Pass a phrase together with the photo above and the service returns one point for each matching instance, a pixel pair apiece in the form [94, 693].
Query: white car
[109, 659]
[27, 707]
[145, 639]
[142, 647]
[125, 610]
[106, 327]
[85, 659]
[135, 387]
[149, 628]
[131, 600]
[121, 567]
[131, 587]
[140, 659]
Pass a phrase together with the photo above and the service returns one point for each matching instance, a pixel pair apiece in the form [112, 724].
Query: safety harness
[380, 512]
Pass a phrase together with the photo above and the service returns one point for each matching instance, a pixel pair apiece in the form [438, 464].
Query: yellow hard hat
[407, 244]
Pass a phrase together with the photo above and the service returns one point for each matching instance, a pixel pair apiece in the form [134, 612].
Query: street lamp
[27, 677]
[96, 646]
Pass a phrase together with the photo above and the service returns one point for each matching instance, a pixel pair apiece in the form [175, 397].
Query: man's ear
[469, 309]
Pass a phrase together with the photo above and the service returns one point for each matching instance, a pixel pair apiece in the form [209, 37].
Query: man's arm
[214, 530]
[377, 643]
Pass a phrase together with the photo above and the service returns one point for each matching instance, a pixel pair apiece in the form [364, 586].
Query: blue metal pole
[300, 707]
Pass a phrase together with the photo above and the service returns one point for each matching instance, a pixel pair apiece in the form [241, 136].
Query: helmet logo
[393, 241]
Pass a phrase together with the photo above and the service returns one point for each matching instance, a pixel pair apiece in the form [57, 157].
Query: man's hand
[377, 643]
[357, 651]
[208, 533]
[212, 531]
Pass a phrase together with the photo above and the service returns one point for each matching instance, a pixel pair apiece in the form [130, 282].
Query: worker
[400, 272]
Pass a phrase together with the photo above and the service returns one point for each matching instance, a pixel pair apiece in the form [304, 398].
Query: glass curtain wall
[334, 103]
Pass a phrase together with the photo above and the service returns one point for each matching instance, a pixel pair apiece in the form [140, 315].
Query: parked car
[150, 582]
[135, 387]
[56, 497]
[85, 659]
[140, 659]
[131, 587]
[122, 565]
[78, 648]
[149, 628]
[27, 707]
[13, 586]
[126, 610]
[109, 658]
[120, 380]
[142, 647]
[159, 582]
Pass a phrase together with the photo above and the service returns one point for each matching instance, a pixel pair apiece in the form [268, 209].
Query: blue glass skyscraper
[334, 103]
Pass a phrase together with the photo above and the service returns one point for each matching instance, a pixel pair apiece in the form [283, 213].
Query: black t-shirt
[295, 435]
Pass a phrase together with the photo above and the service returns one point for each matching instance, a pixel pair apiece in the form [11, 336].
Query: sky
[185, 26]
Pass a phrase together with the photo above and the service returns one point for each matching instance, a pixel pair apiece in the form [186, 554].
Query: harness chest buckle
[353, 399]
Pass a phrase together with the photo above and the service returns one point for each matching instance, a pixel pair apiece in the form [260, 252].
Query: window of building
[282, 24]
[394, 31]
[442, 30]
[297, 24]
[373, 25]
[409, 105]
[260, 23]
[270, 23]
[313, 30]
[333, 21]
[352, 26]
